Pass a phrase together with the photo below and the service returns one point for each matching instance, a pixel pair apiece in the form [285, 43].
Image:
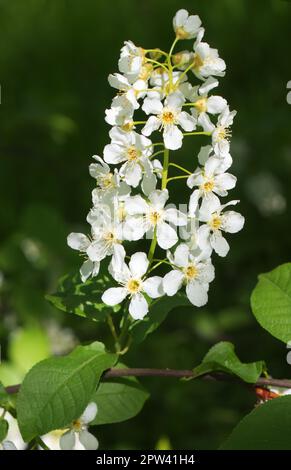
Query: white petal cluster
[156, 107]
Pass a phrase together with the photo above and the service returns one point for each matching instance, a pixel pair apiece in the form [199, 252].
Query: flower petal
[89, 413]
[166, 235]
[114, 295]
[153, 287]
[233, 222]
[173, 137]
[197, 293]
[153, 123]
[219, 243]
[186, 121]
[78, 241]
[138, 306]
[172, 282]
[67, 440]
[138, 264]
[88, 440]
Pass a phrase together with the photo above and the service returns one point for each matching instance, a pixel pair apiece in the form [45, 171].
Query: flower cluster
[155, 94]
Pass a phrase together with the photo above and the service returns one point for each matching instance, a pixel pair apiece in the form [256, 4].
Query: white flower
[131, 91]
[80, 428]
[162, 85]
[168, 116]
[107, 233]
[134, 285]
[131, 60]
[212, 178]
[206, 61]
[108, 181]
[221, 132]
[80, 242]
[217, 222]
[152, 216]
[194, 271]
[134, 150]
[120, 113]
[206, 104]
[185, 26]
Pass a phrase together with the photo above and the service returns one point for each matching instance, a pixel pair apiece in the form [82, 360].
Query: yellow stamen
[197, 61]
[134, 286]
[191, 271]
[201, 105]
[132, 153]
[215, 222]
[208, 186]
[154, 217]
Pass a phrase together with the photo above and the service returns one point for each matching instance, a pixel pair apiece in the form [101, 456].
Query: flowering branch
[176, 373]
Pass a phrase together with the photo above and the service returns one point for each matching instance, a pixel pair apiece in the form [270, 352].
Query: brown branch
[138, 372]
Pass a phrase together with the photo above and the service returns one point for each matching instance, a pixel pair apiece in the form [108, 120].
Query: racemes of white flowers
[167, 96]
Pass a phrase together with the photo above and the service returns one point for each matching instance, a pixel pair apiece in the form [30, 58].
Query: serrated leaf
[82, 298]
[57, 390]
[267, 427]
[222, 358]
[119, 399]
[159, 309]
[271, 302]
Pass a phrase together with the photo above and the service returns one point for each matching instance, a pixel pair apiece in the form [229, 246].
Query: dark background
[55, 56]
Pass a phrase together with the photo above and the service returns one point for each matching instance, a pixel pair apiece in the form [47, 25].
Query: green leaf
[222, 358]
[159, 310]
[267, 427]
[271, 302]
[119, 399]
[57, 390]
[3, 429]
[82, 298]
[27, 347]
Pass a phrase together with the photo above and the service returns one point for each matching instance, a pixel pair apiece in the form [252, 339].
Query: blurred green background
[55, 56]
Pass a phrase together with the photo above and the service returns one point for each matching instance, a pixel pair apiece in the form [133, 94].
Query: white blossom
[149, 217]
[131, 60]
[134, 285]
[168, 116]
[196, 272]
[186, 26]
[206, 61]
[217, 221]
[80, 428]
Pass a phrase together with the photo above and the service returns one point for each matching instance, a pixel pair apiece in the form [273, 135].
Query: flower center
[154, 217]
[168, 117]
[109, 237]
[106, 181]
[77, 425]
[181, 33]
[132, 153]
[208, 186]
[197, 61]
[223, 133]
[201, 105]
[134, 286]
[191, 271]
[215, 222]
[128, 126]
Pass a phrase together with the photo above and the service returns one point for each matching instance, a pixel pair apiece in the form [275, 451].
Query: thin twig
[179, 374]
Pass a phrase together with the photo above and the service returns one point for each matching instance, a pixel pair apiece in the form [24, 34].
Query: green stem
[180, 168]
[157, 153]
[152, 247]
[113, 332]
[157, 63]
[165, 168]
[197, 133]
[177, 178]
